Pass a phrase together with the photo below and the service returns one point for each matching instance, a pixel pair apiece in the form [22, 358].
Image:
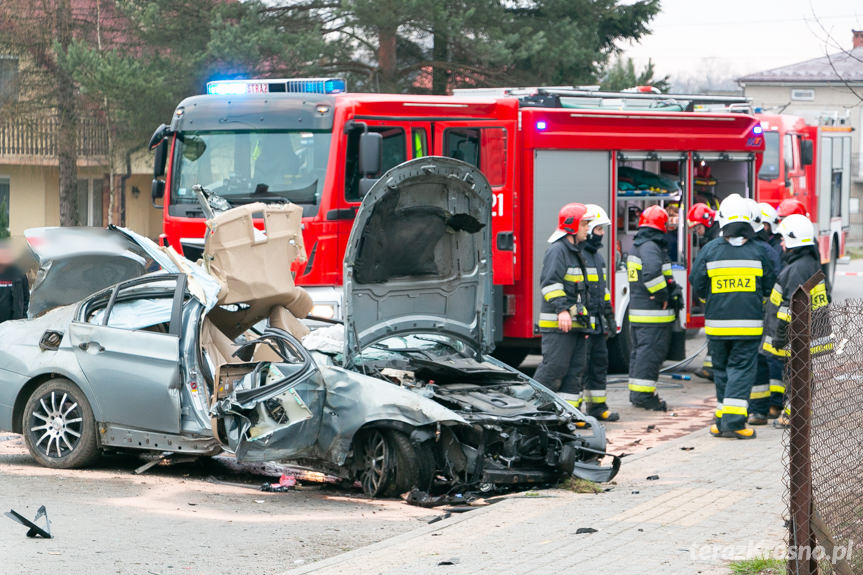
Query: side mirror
[371, 151]
[158, 192]
[161, 159]
[160, 134]
[806, 152]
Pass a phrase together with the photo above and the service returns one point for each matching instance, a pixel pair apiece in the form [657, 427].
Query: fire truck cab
[812, 163]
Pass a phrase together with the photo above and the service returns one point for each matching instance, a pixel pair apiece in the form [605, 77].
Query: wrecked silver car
[403, 395]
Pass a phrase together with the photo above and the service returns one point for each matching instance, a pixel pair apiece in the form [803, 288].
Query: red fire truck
[308, 142]
[811, 163]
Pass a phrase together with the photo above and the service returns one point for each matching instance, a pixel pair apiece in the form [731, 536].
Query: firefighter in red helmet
[701, 220]
[564, 320]
[651, 313]
[791, 206]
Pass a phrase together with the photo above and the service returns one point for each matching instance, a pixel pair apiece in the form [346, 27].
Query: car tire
[389, 464]
[58, 426]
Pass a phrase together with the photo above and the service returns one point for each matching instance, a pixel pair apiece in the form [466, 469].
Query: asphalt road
[849, 281]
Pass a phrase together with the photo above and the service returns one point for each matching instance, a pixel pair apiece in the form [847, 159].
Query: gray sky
[729, 38]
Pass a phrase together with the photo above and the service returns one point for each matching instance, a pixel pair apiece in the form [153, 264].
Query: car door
[127, 342]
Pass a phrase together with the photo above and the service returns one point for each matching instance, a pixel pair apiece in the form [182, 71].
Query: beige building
[830, 86]
[29, 179]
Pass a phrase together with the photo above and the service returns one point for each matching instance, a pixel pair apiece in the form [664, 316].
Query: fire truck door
[713, 177]
[490, 146]
[561, 177]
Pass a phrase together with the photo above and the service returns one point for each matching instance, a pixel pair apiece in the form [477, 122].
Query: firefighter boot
[705, 372]
[649, 401]
[757, 419]
[745, 433]
[601, 412]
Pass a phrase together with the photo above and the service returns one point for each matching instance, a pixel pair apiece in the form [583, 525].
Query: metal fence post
[801, 537]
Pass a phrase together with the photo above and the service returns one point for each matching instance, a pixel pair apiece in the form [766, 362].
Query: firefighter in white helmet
[733, 275]
[589, 375]
[802, 261]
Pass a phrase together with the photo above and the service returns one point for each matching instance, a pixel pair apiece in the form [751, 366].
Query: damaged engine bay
[516, 432]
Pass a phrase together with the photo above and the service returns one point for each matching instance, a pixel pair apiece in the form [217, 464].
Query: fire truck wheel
[619, 348]
[512, 356]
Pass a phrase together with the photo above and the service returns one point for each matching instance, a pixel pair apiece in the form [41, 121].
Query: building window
[8, 79]
[89, 202]
[4, 207]
[803, 95]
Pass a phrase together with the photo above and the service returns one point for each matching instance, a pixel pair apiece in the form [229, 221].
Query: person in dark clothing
[651, 316]
[802, 261]
[759, 397]
[701, 221]
[588, 372]
[14, 288]
[733, 275]
[564, 319]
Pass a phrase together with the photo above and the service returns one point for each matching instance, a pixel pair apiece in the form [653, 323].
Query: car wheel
[58, 425]
[389, 464]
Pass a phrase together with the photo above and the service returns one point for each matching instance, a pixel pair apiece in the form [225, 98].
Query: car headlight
[324, 310]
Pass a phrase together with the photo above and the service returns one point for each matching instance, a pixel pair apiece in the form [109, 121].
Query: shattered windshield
[251, 166]
[430, 346]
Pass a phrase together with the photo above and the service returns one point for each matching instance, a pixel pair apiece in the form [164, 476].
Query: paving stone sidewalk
[714, 499]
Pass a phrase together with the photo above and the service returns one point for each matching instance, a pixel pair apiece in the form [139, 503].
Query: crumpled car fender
[355, 400]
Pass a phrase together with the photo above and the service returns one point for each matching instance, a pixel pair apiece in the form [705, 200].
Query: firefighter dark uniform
[801, 263]
[759, 397]
[650, 313]
[733, 276]
[589, 375]
[563, 287]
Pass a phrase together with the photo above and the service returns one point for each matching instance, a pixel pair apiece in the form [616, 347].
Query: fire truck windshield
[250, 166]
[770, 167]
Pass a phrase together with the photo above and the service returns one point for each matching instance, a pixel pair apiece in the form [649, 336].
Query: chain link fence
[824, 439]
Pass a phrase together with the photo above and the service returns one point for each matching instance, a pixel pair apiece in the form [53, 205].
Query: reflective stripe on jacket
[733, 280]
[800, 265]
[648, 270]
[562, 285]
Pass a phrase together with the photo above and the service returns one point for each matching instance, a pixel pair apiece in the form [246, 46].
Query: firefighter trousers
[588, 371]
[560, 352]
[735, 368]
[649, 349]
[759, 397]
[776, 367]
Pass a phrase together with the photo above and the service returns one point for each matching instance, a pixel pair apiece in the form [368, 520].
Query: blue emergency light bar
[290, 86]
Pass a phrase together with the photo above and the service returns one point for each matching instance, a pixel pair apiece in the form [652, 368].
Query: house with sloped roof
[829, 86]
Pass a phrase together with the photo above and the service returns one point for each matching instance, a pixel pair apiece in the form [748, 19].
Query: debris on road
[285, 483]
[34, 530]
[581, 530]
[652, 477]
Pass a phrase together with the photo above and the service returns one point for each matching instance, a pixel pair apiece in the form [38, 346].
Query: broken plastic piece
[652, 477]
[581, 530]
[286, 483]
[34, 530]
